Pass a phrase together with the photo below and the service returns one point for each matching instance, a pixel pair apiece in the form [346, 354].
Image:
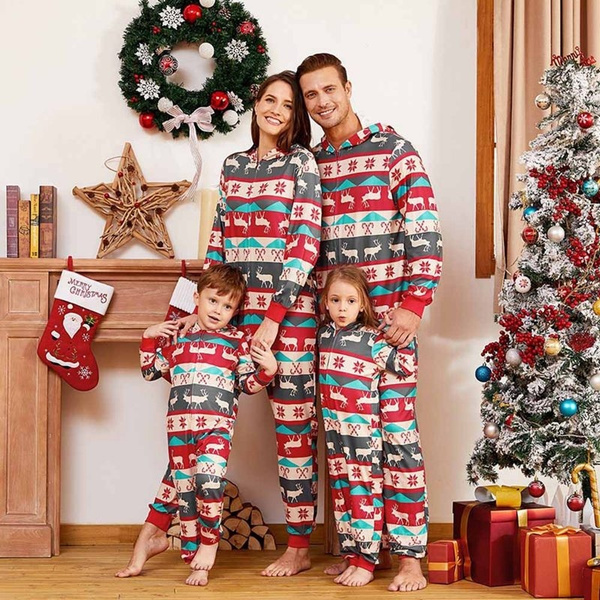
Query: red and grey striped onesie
[207, 370]
[379, 214]
[268, 223]
[352, 360]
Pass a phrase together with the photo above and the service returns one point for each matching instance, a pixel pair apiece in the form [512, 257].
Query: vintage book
[24, 228]
[47, 221]
[13, 193]
[34, 239]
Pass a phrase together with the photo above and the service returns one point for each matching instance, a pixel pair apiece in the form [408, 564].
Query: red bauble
[585, 120]
[147, 120]
[219, 101]
[575, 502]
[192, 12]
[536, 489]
[529, 235]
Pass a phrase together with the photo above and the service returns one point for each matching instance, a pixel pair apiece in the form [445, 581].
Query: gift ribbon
[201, 117]
[562, 555]
[446, 566]
[595, 584]
[506, 496]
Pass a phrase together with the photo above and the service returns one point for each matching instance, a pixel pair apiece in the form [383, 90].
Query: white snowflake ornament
[171, 17]
[143, 53]
[236, 50]
[148, 89]
[236, 102]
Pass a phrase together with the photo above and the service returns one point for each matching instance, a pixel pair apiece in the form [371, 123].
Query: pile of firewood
[242, 525]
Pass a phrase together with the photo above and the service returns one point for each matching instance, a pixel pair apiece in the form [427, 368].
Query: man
[379, 214]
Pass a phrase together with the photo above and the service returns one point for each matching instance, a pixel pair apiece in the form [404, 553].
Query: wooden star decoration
[134, 208]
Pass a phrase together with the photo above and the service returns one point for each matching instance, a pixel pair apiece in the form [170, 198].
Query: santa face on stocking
[65, 346]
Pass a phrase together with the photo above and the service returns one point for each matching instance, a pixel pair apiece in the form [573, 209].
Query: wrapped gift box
[591, 583]
[552, 561]
[594, 532]
[445, 561]
[490, 538]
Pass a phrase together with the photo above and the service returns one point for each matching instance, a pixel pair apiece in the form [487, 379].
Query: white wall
[413, 64]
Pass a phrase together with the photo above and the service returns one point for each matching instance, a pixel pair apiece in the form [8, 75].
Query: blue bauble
[589, 187]
[483, 373]
[568, 407]
[530, 210]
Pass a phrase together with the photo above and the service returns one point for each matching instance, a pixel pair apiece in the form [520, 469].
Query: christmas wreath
[222, 30]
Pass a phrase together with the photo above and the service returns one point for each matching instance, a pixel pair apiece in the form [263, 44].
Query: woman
[268, 223]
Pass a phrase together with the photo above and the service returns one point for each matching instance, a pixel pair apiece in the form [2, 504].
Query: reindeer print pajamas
[207, 369]
[379, 214]
[351, 362]
[268, 223]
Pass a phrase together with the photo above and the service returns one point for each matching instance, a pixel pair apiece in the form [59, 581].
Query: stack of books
[31, 224]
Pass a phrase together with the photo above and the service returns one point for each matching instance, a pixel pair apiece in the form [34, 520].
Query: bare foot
[292, 562]
[385, 560]
[354, 577]
[337, 568]
[197, 578]
[205, 558]
[410, 577]
[150, 542]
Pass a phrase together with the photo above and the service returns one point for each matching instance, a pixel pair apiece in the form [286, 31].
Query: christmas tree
[541, 398]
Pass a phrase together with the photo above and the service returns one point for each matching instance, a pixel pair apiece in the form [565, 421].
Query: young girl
[353, 358]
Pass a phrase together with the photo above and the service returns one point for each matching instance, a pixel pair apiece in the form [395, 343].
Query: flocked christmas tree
[541, 398]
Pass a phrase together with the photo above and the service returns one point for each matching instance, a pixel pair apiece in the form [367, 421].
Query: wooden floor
[87, 573]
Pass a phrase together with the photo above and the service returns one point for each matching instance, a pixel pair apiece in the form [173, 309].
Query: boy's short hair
[314, 62]
[226, 279]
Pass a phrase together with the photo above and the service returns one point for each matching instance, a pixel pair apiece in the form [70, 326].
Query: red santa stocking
[65, 346]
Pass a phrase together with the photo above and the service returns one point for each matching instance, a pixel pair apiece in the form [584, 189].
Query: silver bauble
[595, 381]
[207, 3]
[206, 50]
[513, 357]
[542, 101]
[230, 117]
[556, 234]
[491, 431]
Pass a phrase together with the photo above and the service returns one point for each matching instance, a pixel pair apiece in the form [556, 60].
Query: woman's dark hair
[299, 130]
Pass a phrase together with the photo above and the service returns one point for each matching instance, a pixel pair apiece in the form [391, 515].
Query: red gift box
[591, 583]
[490, 540]
[552, 559]
[445, 561]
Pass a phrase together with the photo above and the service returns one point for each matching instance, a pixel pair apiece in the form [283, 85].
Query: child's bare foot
[354, 577]
[197, 578]
[150, 542]
[337, 568]
[410, 577]
[291, 562]
[205, 558]
[385, 560]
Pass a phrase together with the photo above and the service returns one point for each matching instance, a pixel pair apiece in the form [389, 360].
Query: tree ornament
[491, 431]
[147, 120]
[581, 341]
[536, 488]
[219, 100]
[513, 357]
[509, 420]
[595, 382]
[129, 213]
[596, 307]
[522, 284]
[575, 502]
[230, 117]
[585, 120]
[483, 373]
[164, 105]
[206, 50]
[168, 64]
[590, 187]
[192, 12]
[556, 234]
[568, 407]
[542, 101]
[207, 3]
[552, 346]
[246, 28]
[529, 235]
[529, 211]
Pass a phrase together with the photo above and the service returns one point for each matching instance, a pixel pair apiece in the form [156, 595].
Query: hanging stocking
[181, 304]
[65, 346]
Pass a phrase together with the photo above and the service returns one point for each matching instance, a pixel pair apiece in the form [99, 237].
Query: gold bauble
[552, 346]
[596, 307]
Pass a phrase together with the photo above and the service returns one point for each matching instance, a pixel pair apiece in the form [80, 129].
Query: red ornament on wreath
[575, 502]
[585, 120]
[219, 101]
[192, 12]
[246, 28]
[529, 235]
[536, 489]
[147, 120]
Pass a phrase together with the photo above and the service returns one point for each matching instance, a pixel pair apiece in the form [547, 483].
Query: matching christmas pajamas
[207, 369]
[268, 224]
[380, 215]
[351, 361]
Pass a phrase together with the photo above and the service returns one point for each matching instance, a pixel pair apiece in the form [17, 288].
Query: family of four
[327, 259]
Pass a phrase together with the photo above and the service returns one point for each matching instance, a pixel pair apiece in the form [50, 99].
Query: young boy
[207, 368]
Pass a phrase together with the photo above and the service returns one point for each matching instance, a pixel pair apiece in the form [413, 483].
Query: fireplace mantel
[30, 392]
